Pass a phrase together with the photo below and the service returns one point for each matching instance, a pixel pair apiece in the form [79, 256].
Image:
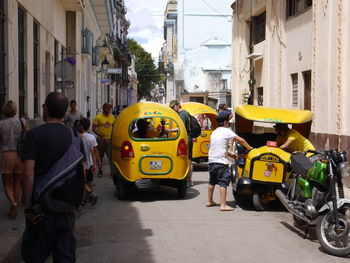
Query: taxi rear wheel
[182, 189]
[244, 202]
[120, 190]
[260, 203]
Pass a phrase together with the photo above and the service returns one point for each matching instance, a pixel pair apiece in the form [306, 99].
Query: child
[92, 157]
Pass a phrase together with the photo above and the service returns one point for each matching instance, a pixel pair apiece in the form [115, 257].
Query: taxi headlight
[344, 169]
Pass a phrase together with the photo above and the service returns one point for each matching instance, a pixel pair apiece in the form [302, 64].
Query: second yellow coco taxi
[206, 117]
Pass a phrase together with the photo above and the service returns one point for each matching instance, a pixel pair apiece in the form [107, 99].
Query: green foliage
[147, 73]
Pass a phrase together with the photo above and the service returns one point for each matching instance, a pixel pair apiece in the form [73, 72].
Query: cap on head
[281, 126]
[173, 103]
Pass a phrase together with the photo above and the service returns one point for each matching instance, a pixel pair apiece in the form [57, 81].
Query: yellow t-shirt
[300, 143]
[104, 124]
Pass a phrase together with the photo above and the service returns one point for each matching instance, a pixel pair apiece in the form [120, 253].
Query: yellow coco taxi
[149, 148]
[206, 117]
[265, 168]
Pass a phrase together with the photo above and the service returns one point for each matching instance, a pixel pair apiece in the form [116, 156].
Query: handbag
[20, 143]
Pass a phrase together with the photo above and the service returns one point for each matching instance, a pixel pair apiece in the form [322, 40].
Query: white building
[197, 52]
[295, 54]
[35, 35]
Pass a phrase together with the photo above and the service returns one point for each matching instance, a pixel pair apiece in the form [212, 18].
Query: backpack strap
[22, 125]
[75, 139]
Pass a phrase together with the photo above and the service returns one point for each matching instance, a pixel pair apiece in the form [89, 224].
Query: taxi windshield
[154, 128]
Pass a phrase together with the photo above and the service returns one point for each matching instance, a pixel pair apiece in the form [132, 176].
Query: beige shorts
[11, 163]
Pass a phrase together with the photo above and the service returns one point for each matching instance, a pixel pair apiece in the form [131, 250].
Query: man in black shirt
[43, 147]
[185, 117]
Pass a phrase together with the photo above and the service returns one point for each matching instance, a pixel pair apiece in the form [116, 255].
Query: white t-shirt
[89, 142]
[219, 144]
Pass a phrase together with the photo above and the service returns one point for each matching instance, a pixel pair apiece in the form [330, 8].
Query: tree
[147, 73]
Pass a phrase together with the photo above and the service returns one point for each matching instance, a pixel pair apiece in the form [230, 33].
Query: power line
[211, 7]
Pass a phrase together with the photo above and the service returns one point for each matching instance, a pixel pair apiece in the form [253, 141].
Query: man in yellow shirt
[291, 140]
[102, 127]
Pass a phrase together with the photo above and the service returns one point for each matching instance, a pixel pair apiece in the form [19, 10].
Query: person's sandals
[93, 198]
[227, 208]
[99, 174]
[13, 212]
[211, 204]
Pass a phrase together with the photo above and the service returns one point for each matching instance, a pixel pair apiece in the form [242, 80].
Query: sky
[147, 19]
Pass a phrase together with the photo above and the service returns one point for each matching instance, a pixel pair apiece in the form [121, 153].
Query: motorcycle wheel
[335, 241]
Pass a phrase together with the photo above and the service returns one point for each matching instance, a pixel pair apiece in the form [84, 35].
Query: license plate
[155, 165]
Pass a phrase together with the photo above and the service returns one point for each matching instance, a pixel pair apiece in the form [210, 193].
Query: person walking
[71, 116]
[102, 127]
[11, 163]
[43, 147]
[219, 172]
[92, 158]
[185, 117]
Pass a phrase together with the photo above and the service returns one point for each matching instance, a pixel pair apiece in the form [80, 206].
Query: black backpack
[62, 188]
[195, 128]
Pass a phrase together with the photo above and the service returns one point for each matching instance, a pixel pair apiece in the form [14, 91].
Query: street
[158, 227]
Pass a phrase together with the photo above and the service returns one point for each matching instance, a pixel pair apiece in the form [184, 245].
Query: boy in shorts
[219, 172]
[90, 147]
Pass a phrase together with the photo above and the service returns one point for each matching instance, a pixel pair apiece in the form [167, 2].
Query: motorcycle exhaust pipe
[285, 202]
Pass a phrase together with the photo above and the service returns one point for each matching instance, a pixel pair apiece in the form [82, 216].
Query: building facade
[294, 54]
[48, 45]
[197, 51]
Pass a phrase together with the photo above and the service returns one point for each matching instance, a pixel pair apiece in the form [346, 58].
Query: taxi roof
[273, 115]
[147, 109]
[195, 108]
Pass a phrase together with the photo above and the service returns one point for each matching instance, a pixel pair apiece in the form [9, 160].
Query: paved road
[157, 227]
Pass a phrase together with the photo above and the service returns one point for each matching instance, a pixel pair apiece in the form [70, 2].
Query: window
[153, 128]
[295, 89]
[295, 7]
[258, 28]
[36, 52]
[197, 99]
[2, 54]
[224, 84]
[260, 91]
[21, 61]
[307, 89]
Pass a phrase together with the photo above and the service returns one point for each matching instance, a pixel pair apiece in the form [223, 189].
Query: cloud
[146, 18]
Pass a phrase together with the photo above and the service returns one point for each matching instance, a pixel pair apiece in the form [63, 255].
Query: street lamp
[104, 65]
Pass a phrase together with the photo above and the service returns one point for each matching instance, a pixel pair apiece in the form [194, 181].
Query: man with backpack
[50, 217]
[186, 118]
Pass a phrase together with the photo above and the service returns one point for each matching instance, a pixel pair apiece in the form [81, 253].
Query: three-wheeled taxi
[206, 117]
[262, 170]
[149, 147]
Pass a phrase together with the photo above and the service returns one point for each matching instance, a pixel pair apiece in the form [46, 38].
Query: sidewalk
[10, 232]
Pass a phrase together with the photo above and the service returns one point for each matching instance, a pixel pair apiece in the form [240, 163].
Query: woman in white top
[11, 163]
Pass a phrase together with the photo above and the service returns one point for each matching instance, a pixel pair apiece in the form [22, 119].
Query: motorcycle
[315, 197]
